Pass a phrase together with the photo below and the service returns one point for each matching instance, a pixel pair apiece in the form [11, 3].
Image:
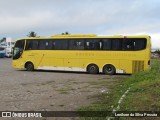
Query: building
[7, 43]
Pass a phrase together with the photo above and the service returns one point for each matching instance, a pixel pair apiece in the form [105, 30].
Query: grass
[144, 94]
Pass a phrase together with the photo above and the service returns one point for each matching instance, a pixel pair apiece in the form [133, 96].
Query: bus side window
[93, 44]
[42, 44]
[90, 44]
[49, 44]
[140, 44]
[106, 44]
[34, 44]
[57, 45]
[87, 45]
[117, 44]
[28, 45]
[73, 44]
[134, 44]
[96, 44]
[53, 44]
[76, 44]
[80, 44]
[61, 44]
[128, 44]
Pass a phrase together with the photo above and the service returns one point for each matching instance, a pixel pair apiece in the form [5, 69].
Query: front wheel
[93, 69]
[109, 69]
[29, 67]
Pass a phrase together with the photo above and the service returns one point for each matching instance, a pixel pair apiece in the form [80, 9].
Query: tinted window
[60, 44]
[134, 44]
[87, 44]
[32, 45]
[106, 44]
[93, 44]
[117, 44]
[140, 44]
[97, 44]
[45, 44]
[42, 44]
[128, 44]
[76, 44]
[20, 44]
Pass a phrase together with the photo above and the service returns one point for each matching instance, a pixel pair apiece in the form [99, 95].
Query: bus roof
[74, 35]
[86, 36]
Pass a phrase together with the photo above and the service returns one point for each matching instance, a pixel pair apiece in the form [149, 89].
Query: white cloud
[18, 17]
[155, 39]
[20, 23]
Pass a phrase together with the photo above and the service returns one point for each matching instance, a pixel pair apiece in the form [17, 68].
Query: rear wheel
[29, 66]
[109, 69]
[93, 69]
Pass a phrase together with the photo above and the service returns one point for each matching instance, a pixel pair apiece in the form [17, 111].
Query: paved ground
[49, 90]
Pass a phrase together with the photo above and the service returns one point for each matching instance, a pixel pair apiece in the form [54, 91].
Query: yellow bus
[86, 53]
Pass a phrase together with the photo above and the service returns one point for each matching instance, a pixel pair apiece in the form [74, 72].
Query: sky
[101, 17]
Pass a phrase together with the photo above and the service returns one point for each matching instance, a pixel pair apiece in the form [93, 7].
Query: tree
[32, 34]
[157, 51]
[66, 33]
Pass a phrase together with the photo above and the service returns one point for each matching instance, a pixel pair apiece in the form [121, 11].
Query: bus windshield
[18, 49]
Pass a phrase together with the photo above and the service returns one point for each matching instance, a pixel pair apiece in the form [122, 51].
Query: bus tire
[29, 66]
[92, 69]
[109, 69]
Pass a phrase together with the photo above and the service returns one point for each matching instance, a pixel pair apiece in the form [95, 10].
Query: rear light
[149, 62]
